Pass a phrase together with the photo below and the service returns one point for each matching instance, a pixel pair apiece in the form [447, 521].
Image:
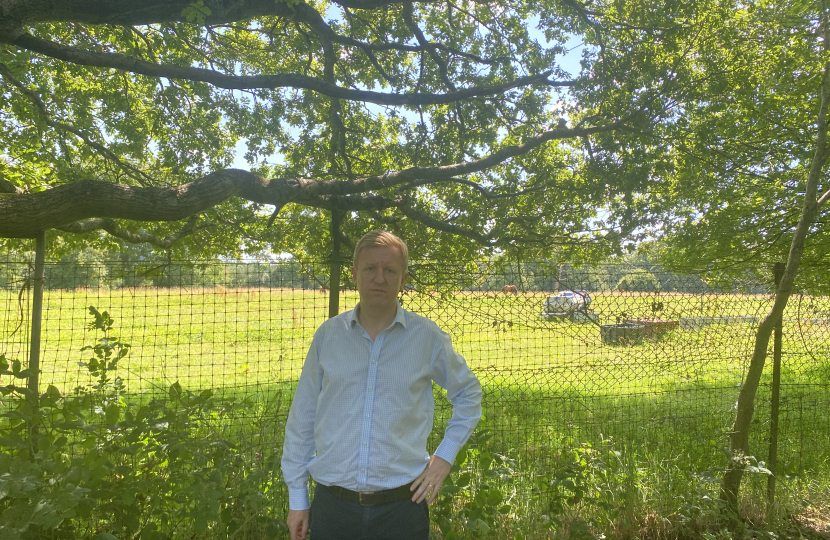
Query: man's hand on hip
[428, 483]
[298, 524]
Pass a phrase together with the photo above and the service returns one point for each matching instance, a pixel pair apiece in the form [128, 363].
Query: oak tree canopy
[445, 121]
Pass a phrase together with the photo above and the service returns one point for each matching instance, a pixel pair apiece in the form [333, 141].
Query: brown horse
[507, 289]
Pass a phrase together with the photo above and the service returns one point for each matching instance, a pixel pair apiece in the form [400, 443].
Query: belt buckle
[360, 497]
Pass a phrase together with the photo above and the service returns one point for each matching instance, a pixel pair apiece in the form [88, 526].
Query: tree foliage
[745, 144]
[451, 123]
[749, 186]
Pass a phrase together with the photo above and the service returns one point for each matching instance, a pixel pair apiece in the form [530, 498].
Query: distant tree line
[138, 266]
[89, 268]
[624, 276]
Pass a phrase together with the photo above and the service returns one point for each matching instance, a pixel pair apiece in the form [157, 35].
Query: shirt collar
[400, 316]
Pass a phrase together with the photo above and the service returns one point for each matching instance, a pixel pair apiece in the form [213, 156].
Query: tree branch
[440, 225]
[739, 437]
[23, 215]
[115, 230]
[492, 239]
[460, 169]
[8, 187]
[585, 15]
[132, 13]
[312, 17]
[474, 185]
[408, 17]
[124, 62]
[338, 130]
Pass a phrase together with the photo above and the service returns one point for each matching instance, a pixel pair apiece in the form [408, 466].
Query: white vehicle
[566, 303]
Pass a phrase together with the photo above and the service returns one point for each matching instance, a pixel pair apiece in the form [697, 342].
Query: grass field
[664, 404]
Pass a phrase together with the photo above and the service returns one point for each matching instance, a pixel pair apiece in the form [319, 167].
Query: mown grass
[551, 386]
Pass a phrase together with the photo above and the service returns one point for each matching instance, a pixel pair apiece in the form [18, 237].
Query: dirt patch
[812, 523]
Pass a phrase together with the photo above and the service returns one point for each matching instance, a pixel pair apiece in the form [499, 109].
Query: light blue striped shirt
[363, 409]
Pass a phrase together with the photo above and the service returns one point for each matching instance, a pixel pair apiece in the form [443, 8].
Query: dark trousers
[335, 519]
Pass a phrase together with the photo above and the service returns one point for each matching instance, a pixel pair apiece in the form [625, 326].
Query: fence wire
[648, 358]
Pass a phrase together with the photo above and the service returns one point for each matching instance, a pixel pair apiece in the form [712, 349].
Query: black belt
[370, 498]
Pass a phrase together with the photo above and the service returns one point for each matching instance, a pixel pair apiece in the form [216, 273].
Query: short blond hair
[378, 239]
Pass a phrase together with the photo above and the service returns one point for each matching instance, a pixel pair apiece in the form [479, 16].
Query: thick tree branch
[132, 13]
[23, 215]
[8, 187]
[242, 82]
[129, 12]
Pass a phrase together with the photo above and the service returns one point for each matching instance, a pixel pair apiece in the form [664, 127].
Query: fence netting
[648, 358]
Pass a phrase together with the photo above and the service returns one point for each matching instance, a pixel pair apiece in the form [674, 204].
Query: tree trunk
[739, 440]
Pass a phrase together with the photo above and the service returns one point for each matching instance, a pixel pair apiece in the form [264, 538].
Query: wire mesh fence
[651, 359]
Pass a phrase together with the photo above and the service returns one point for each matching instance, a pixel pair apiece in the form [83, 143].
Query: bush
[92, 464]
[639, 282]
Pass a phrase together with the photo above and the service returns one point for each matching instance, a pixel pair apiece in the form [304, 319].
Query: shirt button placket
[369, 409]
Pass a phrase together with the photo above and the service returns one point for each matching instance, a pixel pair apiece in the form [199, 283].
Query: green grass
[665, 404]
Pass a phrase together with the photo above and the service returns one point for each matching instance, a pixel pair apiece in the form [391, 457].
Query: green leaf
[481, 526]
[196, 12]
[175, 391]
[13, 441]
[463, 480]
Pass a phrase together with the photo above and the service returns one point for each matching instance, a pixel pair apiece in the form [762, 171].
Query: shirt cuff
[298, 499]
[448, 451]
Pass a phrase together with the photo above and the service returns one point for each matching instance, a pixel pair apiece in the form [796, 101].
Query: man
[364, 408]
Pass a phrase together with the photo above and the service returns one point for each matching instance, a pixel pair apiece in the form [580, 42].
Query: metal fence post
[772, 461]
[37, 314]
[335, 264]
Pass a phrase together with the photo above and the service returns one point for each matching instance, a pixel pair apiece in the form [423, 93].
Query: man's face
[379, 276]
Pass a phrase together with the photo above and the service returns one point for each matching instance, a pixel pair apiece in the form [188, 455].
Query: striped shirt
[363, 409]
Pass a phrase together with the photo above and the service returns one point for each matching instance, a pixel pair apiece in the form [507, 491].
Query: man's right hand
[298, 524]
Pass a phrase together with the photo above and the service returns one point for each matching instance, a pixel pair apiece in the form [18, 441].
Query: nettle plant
[480, 494]
[583, 493]
[94, 464]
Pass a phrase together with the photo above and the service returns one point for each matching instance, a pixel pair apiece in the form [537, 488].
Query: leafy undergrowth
[604, 492]
[92, 465]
